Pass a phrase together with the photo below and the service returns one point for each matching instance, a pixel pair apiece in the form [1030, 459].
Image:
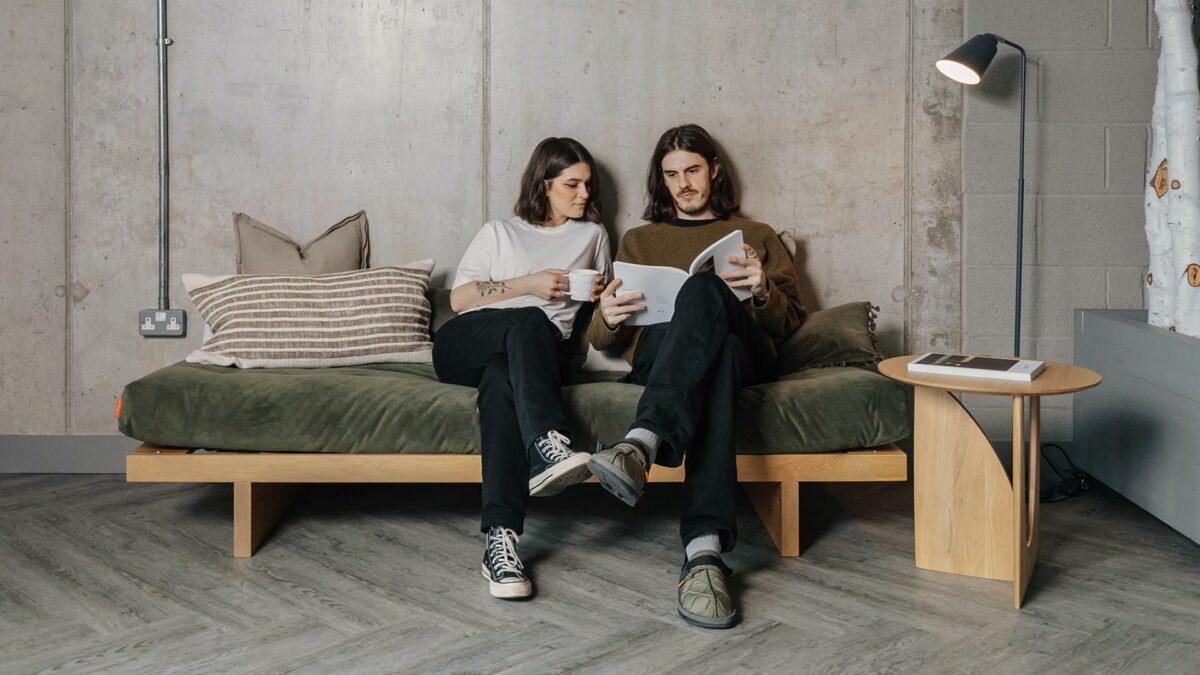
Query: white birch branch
[1160, 279]
[1182, 98]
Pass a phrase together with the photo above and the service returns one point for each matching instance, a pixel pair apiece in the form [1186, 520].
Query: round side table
[969, 516]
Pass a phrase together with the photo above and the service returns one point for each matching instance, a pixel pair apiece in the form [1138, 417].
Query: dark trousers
[515, 358]
[692, 368]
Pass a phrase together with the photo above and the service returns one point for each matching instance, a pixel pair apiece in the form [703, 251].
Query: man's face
[689, 178]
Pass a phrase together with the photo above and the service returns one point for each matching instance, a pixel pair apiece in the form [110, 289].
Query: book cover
[970, 365]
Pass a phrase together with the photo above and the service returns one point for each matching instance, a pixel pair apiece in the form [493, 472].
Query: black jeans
[515, 358]
[692, 368]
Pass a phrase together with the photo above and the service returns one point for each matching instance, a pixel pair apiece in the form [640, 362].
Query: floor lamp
[966, 64]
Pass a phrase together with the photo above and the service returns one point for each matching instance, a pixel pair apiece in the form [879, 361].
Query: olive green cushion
[402, 408]
[836, 336]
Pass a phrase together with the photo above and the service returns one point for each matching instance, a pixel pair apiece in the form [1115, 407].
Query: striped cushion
[352, 318]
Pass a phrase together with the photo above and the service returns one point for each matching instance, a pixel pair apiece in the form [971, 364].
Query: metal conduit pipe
[163, 161]
[163, 321]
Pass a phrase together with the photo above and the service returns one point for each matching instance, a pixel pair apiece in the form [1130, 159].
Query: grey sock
[647, 438]
[705, 542]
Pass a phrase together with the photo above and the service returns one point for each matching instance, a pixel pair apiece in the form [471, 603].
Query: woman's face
[568, 193]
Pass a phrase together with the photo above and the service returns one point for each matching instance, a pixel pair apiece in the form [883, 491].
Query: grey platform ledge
[1140, 433]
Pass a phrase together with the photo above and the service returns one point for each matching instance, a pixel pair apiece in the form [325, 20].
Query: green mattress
[402, 408]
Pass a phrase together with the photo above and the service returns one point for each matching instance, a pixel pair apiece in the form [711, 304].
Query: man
[693, 366]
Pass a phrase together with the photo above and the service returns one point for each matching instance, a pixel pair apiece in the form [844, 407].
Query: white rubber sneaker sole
[561, 476]
[508, 590]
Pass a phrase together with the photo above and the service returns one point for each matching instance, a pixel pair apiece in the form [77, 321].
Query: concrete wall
[1091, 86]
[423, 113]
[813, 122]
[33, 207]
[297, 113]
[932, 293]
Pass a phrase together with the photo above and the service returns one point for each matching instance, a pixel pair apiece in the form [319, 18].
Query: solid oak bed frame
[265, 483]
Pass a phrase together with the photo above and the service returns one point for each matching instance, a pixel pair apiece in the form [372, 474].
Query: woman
[511, 293]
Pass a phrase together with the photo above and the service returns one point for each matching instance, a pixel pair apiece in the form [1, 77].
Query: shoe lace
[502, 550]
[554, 446]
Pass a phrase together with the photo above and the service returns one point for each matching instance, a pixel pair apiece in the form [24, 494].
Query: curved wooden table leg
[962, 498]
[1026, 492]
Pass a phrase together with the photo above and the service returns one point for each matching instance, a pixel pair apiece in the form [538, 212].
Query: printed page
[714, 258]
[659, 285]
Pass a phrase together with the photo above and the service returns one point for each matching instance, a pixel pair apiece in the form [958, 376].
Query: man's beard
[690, 210]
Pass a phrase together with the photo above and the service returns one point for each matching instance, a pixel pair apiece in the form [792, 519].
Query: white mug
[581, 283]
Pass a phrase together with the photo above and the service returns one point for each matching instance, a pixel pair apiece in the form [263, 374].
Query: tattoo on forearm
[487, 288]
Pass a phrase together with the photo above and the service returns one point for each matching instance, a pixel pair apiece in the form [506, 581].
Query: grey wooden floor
[97, 575]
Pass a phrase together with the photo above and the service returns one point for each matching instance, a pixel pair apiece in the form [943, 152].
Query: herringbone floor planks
[98, 575]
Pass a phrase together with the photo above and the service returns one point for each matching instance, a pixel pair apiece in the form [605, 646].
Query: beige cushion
[789, 242]
[353, 318]
[262, 249]
[598, 361]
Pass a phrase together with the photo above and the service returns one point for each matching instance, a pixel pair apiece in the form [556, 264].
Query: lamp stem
[1020, 201]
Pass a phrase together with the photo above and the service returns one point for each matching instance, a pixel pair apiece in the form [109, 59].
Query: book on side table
[967, 365]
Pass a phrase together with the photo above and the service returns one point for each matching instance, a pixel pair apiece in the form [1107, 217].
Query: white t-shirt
[509, 248]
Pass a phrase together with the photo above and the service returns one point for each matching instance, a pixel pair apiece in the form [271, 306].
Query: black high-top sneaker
[553, 466]
[501, 566]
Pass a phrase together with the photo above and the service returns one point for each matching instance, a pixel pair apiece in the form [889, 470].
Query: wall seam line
[906, 335]
[68, 277]
[1107, 157]
[1108, 37]
[486, 103]
[1149, 24]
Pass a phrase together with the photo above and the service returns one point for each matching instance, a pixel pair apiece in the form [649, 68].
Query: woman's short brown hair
[549, 159]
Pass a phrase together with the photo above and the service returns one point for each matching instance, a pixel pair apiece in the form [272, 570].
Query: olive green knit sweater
[676, 246]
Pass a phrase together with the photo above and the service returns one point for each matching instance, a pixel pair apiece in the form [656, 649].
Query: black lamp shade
[967, 63]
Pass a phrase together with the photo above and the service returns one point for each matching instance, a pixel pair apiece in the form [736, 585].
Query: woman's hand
[614, 309]
[750, 276]
[549, 284]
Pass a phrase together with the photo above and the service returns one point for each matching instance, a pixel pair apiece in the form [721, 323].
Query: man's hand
[614, 308]
[549, 284]
[750, 276]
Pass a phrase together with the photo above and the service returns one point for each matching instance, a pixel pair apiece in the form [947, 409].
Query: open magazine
[659, 285]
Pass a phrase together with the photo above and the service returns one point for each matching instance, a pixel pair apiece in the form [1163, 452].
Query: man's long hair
[550, 158]
[660, 207]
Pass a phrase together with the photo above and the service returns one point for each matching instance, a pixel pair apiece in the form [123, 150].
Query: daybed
[267, 431]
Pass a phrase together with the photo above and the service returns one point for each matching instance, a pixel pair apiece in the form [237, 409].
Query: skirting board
[64, 454]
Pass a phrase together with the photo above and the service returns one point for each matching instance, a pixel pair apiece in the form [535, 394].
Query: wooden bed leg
[778, 505]
[256, 509]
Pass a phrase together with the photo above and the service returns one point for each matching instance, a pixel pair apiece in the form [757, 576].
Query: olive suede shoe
[621, 469]
[704, 599]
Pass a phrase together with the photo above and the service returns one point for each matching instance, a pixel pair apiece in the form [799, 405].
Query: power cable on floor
[1070, 484]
